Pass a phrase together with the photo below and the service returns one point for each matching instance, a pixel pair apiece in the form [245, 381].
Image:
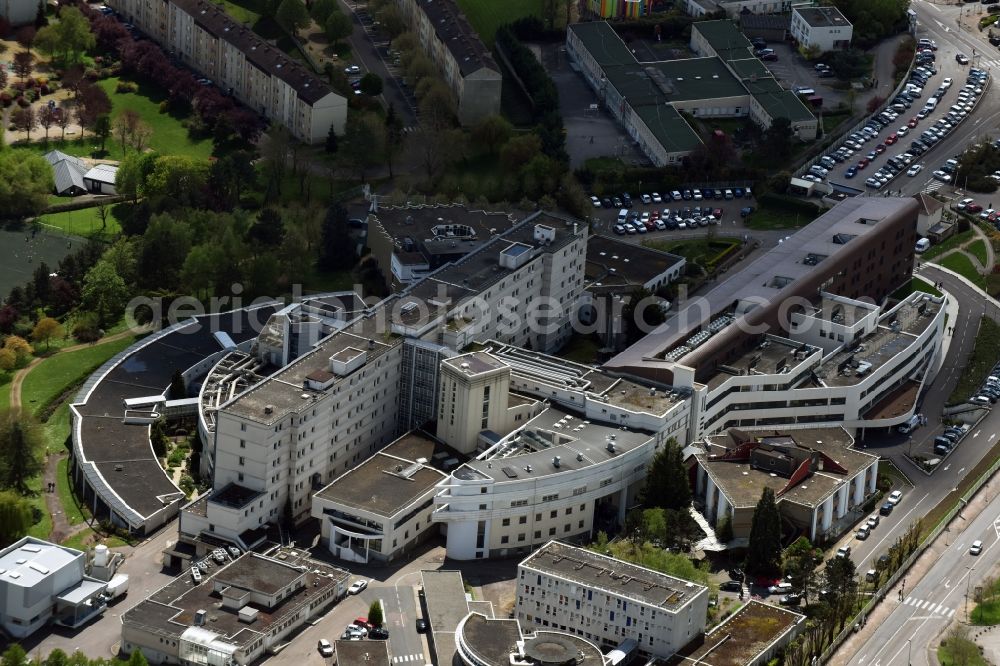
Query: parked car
[976, 548]
[844, 551]
[324, 647]
[793, 599]
[784, 587]
[872, 521]
[196, 575]
[421, 625]
[895, 497]
[378, 634]
[357, 586]
[731, 586]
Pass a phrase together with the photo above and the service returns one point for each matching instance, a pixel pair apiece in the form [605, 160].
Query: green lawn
[43, 527]
[56, 429]
[84, 539]
[961, 264]
[915, 284]
[5, 394]
[85, 222]
[949, 244]
[770, 217]
[168, 137]
[978, 250]
[52, 377]
[581, 348]
[488, 15]
[967, 654]
[981, 362]
[244, 12]
[701, 251]
[71, 509]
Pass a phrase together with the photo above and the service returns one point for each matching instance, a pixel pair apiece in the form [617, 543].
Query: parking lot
[675, 211]
[793, 71]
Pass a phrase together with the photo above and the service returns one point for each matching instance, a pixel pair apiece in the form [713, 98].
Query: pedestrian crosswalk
[402, 659]
[986, 64]
[929, 606]
[933, 185]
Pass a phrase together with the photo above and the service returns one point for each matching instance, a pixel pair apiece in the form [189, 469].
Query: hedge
[788, 203]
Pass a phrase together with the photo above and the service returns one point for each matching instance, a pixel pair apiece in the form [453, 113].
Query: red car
[891, 139]
[973, 208]
[880, 148]
[912, 123]
[363, 622]
[717, 213]
[864, 162]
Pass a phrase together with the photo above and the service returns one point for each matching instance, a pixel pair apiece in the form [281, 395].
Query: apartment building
[607, 601]
[18, 12]
[467, 66]
[820, 482]
[647, 97]
[821, 29]
[42, 582]
[239, 613]
[241, 63]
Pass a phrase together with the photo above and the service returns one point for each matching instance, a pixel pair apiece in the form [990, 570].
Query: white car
[946, 82]
[942, 176]
[352, 69]
[646, 199]
[657, 198]
[915, 169]
[903, 131]
[895, 497]
[357, 586]
[783, 587]
[976, 547]
[324, 647]
[596, 202]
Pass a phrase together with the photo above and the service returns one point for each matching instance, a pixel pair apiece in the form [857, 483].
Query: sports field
[25, 247]
[488, 15]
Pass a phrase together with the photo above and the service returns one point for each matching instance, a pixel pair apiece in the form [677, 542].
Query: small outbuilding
[101, 179]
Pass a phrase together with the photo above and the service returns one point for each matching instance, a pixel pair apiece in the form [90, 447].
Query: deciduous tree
[371, 84]
[67, 39]
[24, 120]
[292, 15]
[47, 118]
[104, 292]
[16, 517]
[337, 249]
[337, 26]
[22, 451]
[492, 132]
[26, 184]
[24, 64]
[46, 329]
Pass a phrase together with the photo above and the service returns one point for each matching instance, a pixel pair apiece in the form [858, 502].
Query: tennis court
[25, 247]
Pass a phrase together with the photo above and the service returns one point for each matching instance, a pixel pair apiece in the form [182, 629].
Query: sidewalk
[856, 642]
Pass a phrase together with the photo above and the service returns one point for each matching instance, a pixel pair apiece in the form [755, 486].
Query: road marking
[992, 435]
[951, 612]
[402, 659]
[947, 584]
[962, 469]
[996, 527]
[975, 434]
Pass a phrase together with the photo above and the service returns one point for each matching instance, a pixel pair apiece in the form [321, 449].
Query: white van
[910, 426]
[622, 215]
[922, 246]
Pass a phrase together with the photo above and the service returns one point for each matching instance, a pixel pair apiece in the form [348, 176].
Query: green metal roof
[785, 104]
[674, 80]
[603, 43]
[722, 34]
[749, 67]
[669, 127]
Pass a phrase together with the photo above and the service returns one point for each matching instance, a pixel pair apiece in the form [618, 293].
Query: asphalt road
[938, 598]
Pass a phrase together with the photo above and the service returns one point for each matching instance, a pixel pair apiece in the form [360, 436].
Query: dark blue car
[851, 173]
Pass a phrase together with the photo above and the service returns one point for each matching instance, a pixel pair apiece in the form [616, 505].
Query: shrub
[126, 87]
[86, 329]
[6, 99]
[22, 102]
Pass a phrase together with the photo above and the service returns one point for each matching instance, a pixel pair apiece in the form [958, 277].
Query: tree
[363, 145]
[19, 347]
[331, 141]
[841, 584]
[764, 549]
[230, 175]
[24, 120]
[337, 26]
[371, 84]
[91, 103]
[137, 658]
[337, 249]
[46, 329]
[437, 105]
[393, 137]
[102, 129]
[321, 9]
[667, 484]
[800, 566]
[103, 212]
[274, 151]
[963, 651]
[375, 613]
[724, 529]
[178, 390]
[25, 187]
[3, 78]
[24, 64]
[125, 126]
[22, 451]
[104, 292]
[47, 118]
[26, 36]
[179, 180]
[133, 173]
[492, 132]
[158, 438]
[16, 517]
[67, 39]
[14, 656]
[292, 15]
[63, 119]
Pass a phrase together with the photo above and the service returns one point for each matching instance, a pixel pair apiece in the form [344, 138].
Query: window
[521, 520]
[550, 498]
[504, 539]
[506, 522]
[552, 531]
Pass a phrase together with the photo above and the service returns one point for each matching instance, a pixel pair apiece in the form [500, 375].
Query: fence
[901, 571]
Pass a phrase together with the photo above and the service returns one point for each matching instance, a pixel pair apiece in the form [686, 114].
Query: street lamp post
[909, 646]
[967, 582]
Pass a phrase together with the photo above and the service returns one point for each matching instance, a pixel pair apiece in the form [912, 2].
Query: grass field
[981, 362]
[949, 244]
[85, 222]
[169, 136]
[961, 264]
[70, 508]
[488, 15]
[978, 250]
[53, 376]
[695, 250]
[769, 217]
[581, 348]
[915, 284]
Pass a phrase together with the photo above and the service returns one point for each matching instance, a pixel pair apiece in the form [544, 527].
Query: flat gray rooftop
[363, 653]
[610, 261]
[475, 363]
[386, 483]
[29, 561]
[765, 278]
[493, 641]
[620, 578]
[444, 597]
[765, 360]
[555, 432]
